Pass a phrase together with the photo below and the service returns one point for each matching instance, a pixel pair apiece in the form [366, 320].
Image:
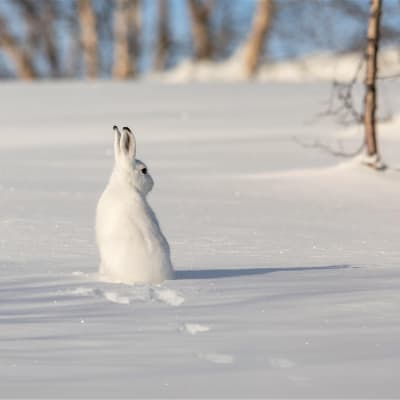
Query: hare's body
[131, 245]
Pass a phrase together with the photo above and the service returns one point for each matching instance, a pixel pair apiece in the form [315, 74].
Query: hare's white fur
[131, 245]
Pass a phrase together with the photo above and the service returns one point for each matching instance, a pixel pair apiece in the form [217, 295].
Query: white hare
[131, 245]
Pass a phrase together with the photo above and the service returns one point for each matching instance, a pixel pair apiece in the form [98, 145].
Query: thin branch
[341, 101]
[316, 144]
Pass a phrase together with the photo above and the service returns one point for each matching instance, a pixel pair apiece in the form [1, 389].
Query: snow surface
[315, 67]
[288, 279]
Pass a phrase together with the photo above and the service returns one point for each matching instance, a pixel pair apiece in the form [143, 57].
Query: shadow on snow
[233, 273]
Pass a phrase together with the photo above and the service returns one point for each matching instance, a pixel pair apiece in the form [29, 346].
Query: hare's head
[126, 164]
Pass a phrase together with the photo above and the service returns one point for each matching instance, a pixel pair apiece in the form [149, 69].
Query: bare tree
[126, 30]
[163, 36]
[87, 19]
[49, 15]
[225, 35]
[341, 102]
[388, 32]
[39, 20]
[72, 53]
[30, 11]
[254, 46]
[22, 59]
[200, 25]
[371, 54]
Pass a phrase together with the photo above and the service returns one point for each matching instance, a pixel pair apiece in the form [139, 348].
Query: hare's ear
[117, 141]
[128, 143]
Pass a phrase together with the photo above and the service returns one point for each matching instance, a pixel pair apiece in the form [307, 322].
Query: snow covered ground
[288, 278]
[310, 68]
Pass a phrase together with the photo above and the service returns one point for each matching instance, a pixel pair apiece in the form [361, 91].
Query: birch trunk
[126, 30]
[259, 31]
[199, 14]
[22, 60]
[87, 20]
[163, 39]
[50, 47]
[370, 78]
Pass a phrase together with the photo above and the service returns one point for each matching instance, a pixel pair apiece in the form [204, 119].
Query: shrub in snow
[131, 245]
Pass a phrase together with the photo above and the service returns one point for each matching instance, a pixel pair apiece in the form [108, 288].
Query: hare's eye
[143, 171]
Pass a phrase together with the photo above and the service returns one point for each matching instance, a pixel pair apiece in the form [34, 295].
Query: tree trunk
[22, 60]
[200, 15]
[126, 29]
[163, 39]
[31, 14]
[39, 18]
[225, 37]
[88, 31]
[50, 48]
[370, 79]
[259, 30]
[71, 65]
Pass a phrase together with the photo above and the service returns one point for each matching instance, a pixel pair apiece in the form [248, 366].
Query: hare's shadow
[239, 272]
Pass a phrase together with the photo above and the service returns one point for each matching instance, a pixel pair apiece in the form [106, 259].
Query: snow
[194, 329]
[217, 358]
[169, 296]
[287, 259]
[314, 67]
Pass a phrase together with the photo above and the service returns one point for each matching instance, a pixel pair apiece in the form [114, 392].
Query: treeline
[123, 38]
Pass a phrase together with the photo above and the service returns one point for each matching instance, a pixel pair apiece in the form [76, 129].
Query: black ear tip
[115, 127]
[125, 127]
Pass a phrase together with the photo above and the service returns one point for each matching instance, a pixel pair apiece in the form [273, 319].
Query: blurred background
[128, 39]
